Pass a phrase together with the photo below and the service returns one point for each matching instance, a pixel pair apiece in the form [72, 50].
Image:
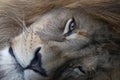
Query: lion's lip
[12, 54]
[38, 69]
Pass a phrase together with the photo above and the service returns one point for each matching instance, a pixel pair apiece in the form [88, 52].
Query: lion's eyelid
[66, 30]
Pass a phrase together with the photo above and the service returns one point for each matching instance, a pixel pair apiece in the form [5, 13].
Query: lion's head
[68, 42]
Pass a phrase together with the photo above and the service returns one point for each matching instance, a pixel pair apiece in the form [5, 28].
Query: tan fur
[22, 26]
[11, 10]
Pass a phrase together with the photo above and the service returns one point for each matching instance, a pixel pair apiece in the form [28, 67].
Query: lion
[59, 40]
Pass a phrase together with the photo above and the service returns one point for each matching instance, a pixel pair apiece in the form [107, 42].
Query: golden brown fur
[12, 10]
[17, 15]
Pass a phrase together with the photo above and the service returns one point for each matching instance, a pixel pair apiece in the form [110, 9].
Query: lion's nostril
[36, 63]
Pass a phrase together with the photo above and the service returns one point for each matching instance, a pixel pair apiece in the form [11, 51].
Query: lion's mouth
[35, 64]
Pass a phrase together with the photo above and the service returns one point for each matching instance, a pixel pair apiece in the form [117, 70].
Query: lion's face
[61, 43]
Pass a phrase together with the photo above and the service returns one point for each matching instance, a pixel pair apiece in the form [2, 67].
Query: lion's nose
[36, 63]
